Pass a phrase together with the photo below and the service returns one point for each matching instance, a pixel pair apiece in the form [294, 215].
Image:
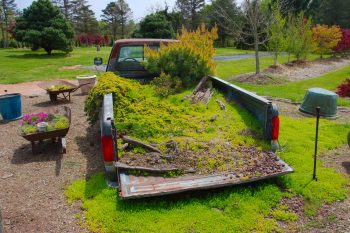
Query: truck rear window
[133, 52]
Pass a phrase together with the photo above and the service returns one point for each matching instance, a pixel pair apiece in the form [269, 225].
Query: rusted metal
[140, 186]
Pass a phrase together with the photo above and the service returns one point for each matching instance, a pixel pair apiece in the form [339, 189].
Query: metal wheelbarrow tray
[55, 134]
[64, 92]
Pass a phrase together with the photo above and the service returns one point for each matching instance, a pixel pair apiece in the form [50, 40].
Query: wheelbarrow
[54, 135]
[65, 91]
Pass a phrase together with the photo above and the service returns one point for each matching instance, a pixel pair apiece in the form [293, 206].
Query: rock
[7, 176]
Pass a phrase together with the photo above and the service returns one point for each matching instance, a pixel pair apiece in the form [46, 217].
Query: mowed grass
[296, 90]
[227, 69]
[231, 51]
[23, 65]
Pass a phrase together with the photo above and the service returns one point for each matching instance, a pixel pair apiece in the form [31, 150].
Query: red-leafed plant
[343, 89]
[89, 40]
[344, 45]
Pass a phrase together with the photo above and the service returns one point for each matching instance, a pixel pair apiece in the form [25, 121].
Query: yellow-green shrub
[188, 60]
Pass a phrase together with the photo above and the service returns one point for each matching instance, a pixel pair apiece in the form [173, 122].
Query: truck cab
[127, 54]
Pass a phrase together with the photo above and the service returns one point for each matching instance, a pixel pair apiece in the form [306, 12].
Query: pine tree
[190, 10]
[83, 18]
[65, 6]
[124, 15]
[7, 13]
[333, 12]
[109, 16]
[42, 25]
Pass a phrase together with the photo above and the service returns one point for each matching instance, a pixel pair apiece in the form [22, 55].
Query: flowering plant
[34, 118]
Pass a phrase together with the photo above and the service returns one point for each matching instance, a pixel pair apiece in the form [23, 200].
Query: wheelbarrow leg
[53, 97]
[34, 148]
[64, 146]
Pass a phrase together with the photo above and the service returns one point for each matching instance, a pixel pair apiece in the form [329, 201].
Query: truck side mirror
[98, 61]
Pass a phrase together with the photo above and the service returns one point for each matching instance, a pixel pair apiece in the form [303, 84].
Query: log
[139, 143]
[124, 166]
[222, 105]
[200, 84]
[124, 146]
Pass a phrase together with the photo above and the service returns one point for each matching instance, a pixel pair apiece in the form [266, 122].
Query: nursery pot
[42, 126]
[11, 106]
[89, 80]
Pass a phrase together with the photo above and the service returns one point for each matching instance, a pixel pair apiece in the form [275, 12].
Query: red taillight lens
[275, 128]
[107, 148]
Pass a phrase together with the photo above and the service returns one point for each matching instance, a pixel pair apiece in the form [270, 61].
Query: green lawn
[295, 91]
[21, 65]
[231, 51]
[227, 69]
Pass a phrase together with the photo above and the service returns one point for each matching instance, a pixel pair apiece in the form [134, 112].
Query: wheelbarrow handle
[80, 86]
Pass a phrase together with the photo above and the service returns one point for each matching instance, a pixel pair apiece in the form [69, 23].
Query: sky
[140, 8]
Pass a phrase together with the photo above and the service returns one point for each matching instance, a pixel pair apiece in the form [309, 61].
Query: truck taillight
[107, 148]
[275, 128]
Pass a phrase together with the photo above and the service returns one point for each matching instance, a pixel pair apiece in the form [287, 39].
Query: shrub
[343, 45]
[325, 38]
[165, 85]
[187, 61]
[124, 93]
[343, 89]
[299, 36]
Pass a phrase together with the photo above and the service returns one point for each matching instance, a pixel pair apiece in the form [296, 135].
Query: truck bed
[131, 186]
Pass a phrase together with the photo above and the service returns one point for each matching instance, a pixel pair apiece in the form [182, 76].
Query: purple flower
[34, 118]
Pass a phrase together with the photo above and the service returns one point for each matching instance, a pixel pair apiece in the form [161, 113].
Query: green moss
[283, 215]
[241, 210]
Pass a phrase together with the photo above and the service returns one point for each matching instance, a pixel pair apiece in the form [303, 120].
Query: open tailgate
[140, 186]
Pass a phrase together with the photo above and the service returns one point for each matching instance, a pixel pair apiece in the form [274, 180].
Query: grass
[227, 69]
[231, 51]
[295, 91]
[238, 209]
[22, 65]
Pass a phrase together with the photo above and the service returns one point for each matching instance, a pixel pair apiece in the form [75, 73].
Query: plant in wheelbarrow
[52, 124]
[42, 122]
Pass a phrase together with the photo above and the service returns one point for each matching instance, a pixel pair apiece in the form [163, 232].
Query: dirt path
[32, 186]
[28, 88]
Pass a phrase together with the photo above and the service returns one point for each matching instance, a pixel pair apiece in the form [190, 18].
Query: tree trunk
[257, 60]
[3, 35]
[6, 41]
[48, 50]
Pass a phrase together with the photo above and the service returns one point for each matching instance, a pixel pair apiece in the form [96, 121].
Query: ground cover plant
[238, 209]
[200, 137]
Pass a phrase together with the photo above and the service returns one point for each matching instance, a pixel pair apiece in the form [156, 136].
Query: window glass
[131, 53]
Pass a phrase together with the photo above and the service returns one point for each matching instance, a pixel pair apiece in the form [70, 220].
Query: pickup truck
[131, 186]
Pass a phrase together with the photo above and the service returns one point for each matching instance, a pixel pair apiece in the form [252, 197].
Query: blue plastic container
[10, 106]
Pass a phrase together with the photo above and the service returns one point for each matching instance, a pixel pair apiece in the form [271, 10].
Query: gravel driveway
[32, 186]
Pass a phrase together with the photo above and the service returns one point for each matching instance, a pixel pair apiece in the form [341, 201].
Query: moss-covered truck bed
[201, 146]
